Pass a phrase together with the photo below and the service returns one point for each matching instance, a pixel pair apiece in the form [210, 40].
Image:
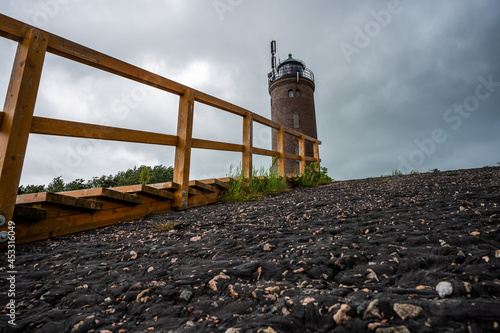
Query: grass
[268, 181]
[165, 227]
[262, 182]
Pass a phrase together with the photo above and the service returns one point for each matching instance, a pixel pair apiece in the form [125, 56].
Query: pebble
[407, 310]
[370, 274]
[341, 317]
[186, 295]
[267, 247]
[372, 311]
[233, 330]
[212, 284]
[444, 289]
[133, 255]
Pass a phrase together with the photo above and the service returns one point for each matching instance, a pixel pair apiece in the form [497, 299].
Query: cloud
[371, 110]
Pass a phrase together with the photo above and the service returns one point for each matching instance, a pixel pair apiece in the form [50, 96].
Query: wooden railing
[17, 120]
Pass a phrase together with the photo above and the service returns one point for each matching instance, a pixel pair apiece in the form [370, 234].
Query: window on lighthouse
[297, 93]
[295, 120]
[290, 93]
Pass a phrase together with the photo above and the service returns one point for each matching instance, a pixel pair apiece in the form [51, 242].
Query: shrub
[142, 175]
[313, 176]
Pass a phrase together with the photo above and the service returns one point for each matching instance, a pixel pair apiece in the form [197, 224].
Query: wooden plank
[30, 213]
[265, 152]
[292, 157]
[219, 103]
[2, 114]
[19, 107]
[316, 151]
[299, 134]
[201, 186]
[215, 145]
[170, 186]
[88, 204]
[12, 29]
[281, 149]
[146, 189]
[302, 153]
[58, 127]
[215, 183]
[201, 200]
[183, 150]
[105, 193]
[266, 122]
[58, 199]
[247, 144]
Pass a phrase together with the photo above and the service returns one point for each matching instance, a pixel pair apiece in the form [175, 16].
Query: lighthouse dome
[291, 68]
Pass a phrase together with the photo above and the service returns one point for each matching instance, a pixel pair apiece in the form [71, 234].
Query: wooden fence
[17, 119]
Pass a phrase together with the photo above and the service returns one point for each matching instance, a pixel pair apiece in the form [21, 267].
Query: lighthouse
[291, 86]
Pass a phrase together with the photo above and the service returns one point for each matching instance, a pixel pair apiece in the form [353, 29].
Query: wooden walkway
[45, 215]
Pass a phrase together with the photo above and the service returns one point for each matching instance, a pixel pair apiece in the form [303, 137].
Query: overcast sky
[407, 85]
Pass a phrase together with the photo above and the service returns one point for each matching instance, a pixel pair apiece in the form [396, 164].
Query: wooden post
[316, 151]
[247, 144]
[19, 107]
[183, 149]
[281, 149]
[302, 153]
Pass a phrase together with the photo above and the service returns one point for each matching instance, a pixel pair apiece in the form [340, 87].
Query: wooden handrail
[23, 92]
[49, 126]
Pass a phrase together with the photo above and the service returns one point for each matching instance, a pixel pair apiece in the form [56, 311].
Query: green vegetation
[262, 182]
[268, 181]
[145, 176]
[136, 175]
[313, 176]
[453, 174]
[165, 227]
[397, 173]
[435, 170]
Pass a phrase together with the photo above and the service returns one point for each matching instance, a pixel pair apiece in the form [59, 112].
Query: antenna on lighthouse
[273, 58]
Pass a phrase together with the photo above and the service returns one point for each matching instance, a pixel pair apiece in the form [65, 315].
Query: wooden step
[216, 183]
[58, 199]
[200, 186]
[111, 194]
[170, 186]
[146, 190]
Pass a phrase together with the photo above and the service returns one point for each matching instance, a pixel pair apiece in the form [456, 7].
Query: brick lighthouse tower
[291, 86]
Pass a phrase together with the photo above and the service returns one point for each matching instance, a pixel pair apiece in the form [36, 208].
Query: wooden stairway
[45, 215]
